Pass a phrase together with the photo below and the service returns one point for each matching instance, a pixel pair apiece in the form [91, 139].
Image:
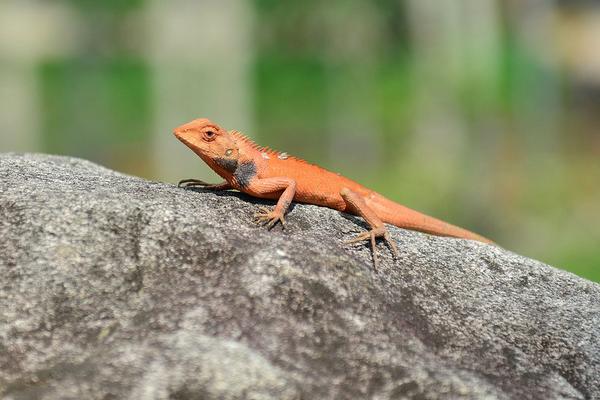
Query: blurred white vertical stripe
[354, 132]
[200, 53]
[481, 34]
[19, 111]
[453, 40]
[539, 106]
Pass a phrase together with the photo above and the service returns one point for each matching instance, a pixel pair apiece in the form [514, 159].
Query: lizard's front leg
[356, 203]
[262, 187]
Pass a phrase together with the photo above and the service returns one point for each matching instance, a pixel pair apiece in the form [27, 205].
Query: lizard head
[212, 143]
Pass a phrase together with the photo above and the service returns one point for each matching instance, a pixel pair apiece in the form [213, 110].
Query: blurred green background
[485, 113]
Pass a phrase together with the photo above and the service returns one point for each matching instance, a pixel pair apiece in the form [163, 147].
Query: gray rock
[113, 287]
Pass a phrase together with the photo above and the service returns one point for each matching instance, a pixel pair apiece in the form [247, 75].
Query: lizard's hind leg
[356, 203]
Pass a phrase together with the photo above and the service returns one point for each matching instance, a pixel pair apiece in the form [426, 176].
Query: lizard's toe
[262, 215]
[359, 238]
[391, 243]
[371, 236]
[269, 218]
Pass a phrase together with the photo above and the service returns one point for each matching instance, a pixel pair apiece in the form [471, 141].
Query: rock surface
[112, 287]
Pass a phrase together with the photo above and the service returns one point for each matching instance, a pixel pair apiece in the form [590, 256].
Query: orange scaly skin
[265, 173]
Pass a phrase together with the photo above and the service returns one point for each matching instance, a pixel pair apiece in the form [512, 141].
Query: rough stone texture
[112, 287]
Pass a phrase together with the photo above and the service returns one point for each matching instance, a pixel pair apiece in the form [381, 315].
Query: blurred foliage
[301, 82]
[537, 184]
[93, 105]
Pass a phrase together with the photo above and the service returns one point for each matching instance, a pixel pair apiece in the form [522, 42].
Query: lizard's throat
[228, 164]
[222, 166]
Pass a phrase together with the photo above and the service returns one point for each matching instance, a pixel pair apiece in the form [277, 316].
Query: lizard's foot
[371, 236]
[269, 218]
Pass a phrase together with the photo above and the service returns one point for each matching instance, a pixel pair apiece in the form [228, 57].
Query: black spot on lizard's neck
[228, 164]
[244, 173]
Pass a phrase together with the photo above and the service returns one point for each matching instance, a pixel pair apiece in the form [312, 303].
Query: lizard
[265, 173]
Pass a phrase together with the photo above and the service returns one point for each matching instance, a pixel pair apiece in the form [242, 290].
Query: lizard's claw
[269, 218]
[371, 236]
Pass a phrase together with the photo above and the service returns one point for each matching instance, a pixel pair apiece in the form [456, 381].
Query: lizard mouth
[199, 150]
[180, 136]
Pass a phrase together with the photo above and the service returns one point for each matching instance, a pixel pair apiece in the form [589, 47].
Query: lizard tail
[404, 217]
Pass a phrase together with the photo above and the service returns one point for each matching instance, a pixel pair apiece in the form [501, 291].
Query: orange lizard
[265, 173]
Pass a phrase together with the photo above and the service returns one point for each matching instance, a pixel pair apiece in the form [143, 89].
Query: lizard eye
[209, 135]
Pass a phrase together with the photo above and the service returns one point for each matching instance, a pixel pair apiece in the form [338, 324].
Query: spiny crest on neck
[266, 152]
[262, 149]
